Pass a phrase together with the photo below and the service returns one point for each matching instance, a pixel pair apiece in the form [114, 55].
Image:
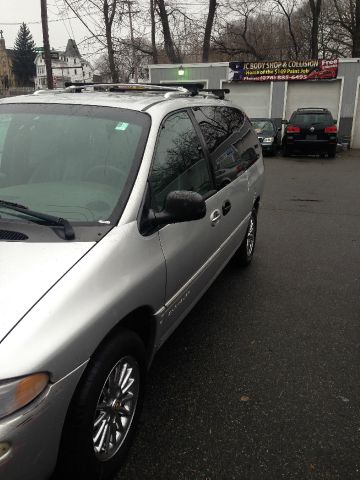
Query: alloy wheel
[250, 238]
[115, 408]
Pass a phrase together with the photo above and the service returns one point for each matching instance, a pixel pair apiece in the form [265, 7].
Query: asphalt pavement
[262, 379]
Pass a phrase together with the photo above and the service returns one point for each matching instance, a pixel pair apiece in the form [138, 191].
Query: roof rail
[172, 89]
[123, 87]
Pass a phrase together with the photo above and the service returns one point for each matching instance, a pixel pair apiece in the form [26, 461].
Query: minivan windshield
[73, 161]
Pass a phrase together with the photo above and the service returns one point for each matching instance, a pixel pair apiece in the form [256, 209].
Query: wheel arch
[140, 321]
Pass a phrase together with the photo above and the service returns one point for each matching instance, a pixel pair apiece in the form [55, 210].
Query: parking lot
[261, 381]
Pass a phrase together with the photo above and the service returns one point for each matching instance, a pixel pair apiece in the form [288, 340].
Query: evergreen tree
[24, 56]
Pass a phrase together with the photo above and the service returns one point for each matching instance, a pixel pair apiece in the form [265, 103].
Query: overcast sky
[28, 11]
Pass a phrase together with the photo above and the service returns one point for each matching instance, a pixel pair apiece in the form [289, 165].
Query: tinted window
[69, 161]
[218, 124]
[311, 119]
[179, 162]
[230, 139]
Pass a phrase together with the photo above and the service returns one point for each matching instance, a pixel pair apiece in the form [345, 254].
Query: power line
[67, 31]
[36, 22]
[72, 31]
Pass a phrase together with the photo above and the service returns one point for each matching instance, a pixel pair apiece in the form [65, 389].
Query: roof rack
[121, 87]
[197, 89]
[313, 108]
[217, 92]
[171, 89]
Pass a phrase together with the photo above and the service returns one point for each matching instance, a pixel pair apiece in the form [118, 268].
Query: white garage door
[253, 98]
[355, 143]
[313, 94]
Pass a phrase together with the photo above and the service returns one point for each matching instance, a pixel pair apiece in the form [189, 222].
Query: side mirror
[284, 122]
[181, 206]
[335, 122]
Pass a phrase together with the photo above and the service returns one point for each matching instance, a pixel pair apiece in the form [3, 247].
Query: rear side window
[179, 162]
[312, 119]
[230, 139]
[218, 124]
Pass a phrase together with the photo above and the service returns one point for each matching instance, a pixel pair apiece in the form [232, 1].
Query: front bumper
[268, 147]
[34, 432]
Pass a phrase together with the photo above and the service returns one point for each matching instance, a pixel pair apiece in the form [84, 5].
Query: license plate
[311, 137]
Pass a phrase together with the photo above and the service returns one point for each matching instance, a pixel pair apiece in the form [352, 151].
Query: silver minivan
[119, 206]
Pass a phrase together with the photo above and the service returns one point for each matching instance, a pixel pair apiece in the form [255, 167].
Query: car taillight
[293, 129]
[332, 129]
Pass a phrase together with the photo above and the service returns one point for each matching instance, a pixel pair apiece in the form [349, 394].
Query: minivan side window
[230, 140]
[179, 162]
[218, 124]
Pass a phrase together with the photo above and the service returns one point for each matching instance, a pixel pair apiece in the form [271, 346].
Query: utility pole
[47, 55]
[136, 76]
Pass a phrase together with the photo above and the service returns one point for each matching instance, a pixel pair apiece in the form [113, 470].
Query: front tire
[104, 410]
[246, 251]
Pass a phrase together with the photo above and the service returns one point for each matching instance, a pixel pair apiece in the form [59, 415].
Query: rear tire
[103, 413]
[285, 152]
[246, 250]
[332, 153]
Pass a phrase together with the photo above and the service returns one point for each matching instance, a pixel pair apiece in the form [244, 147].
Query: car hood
[28, 271]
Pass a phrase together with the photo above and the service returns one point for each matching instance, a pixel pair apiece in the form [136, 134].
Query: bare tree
[170, 49]
[315, 7]
[106, 12]
[348, 17]
[153, 33]
[208, 30]
[288, 9]
[238, 32]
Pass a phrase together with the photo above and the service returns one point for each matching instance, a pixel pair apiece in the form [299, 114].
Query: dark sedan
[269, 134]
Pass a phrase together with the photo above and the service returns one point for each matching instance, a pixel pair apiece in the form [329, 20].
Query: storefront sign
[283, 71]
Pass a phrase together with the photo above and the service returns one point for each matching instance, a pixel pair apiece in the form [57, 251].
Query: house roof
[72, 49]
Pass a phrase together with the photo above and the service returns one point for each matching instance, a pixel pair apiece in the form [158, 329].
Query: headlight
[15, 394]
[268, 140]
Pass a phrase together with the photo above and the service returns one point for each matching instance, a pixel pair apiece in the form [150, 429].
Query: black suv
[310, 131]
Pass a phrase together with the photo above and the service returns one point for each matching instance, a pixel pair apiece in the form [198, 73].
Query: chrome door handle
[215, 217]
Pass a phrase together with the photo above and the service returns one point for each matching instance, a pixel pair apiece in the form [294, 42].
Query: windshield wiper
[50, 219]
